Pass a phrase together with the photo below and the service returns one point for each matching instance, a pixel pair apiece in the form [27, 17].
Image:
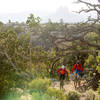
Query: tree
[32, 21]
[81, 38]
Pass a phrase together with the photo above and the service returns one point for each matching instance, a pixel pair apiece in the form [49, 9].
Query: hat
[62, 66]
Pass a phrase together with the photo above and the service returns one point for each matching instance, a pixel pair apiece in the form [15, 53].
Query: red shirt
[64, 71]
[78, 67]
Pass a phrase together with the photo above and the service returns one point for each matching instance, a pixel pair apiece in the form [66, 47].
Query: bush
[13, 95]
[56, 94]
[39, 84]
[97, 99]
[40, 90]
[41, 96]
[90, 95]
[73, 96]
[99, 88]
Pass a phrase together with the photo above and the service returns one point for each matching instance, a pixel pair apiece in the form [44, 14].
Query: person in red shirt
[62, 72]
[77, 68]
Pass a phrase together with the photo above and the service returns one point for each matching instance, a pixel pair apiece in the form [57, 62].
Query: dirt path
[68, 87]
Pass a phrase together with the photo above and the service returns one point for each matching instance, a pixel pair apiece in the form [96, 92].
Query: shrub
[73, 96]
[41, 96]
[56, 94]
[97, 99]
[39, 84]
[13, 95]
[40, 90]
[90, 95]
[99, 88]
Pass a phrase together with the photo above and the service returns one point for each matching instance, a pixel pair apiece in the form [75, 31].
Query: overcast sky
[19, 10]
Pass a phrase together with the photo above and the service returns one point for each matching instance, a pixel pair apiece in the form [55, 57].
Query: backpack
[62, 71]
[78, 66]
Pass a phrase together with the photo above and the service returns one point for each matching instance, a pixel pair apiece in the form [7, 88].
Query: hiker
[62, 72]
[77, 68]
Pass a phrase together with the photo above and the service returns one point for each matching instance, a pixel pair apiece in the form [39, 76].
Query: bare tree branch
[91, 8]
[90, 44]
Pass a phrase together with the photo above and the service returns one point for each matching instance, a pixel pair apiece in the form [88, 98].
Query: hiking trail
[69, 86]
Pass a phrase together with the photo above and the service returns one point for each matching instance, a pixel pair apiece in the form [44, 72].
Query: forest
[31, 52]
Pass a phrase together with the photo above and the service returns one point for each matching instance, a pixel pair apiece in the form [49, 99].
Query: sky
[15, 6]
[19, 10]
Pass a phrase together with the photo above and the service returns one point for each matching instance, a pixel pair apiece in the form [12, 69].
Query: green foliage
[1, 24]
[19, 30]
[13, 94]
[7, 43]
[39, 84]
[73, 95]
[98, 60]
[56, 94]
[91, 36]
[11, 97]
[41, 96]
[98, 88]
[8, 57]
[52, 53]
[97, 99]
[98, 68]
[32, 21]
[40, 89]
[90, 95]
[89, 60]
[45, 55]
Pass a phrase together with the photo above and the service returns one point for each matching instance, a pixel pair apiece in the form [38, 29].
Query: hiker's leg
[64, 79]
[75, 81]
[76, 78]
[61, 82]
[79, 79]
[60, 77]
